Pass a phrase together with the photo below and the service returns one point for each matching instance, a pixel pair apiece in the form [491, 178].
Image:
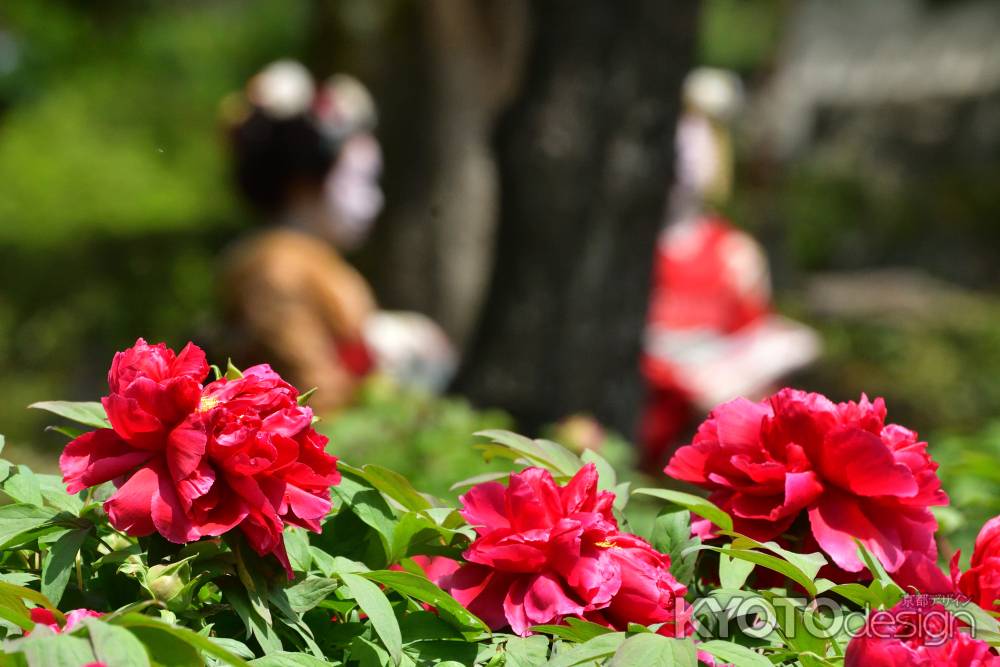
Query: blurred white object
[411, 349]
[717, 93]
[283, 89]
[353, 192]
[715, 368]
[344, 106]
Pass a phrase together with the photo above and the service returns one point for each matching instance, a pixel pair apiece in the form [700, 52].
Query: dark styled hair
[272, 155]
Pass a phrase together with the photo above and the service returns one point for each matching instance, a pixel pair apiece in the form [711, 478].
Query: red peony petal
[185, 449]
[536, 600]
[191, 362]
[532, 500]
[130, 508]
[484, 508]
[97, 457]
[858, 461]
[169, 516]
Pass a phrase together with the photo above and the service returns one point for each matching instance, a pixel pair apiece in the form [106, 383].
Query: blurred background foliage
[114, 202]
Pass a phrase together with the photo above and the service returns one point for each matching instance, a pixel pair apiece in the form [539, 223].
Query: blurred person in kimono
[711, 334]
[306, 159]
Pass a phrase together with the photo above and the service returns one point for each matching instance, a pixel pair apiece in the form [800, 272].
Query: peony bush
[201, 519]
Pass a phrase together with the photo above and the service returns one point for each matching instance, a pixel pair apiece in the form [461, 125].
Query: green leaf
[735, 654]
[810, 563]
[607, 477]
[166, 649]
[733, 572]
[261, 629]
[368, 505]
[47, 649]
[694, 504]
[526, 651]
[373, 602]
[479, 479]
[115, 646]
[556, 458]
[136, 621]
[672, 535]
[288, 659]
[587, 630]
[15, 617]
[19, 519]
[57, 566]
[34, 596]
[598, 648]
[652, 650]
[54, 494]
[770, 562]
[394, 485]
[88, 413]
[424, 590]
[308, 593]
[23, 487]
[297, 546]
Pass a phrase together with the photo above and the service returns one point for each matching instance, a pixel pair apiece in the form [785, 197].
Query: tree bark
[585, 157]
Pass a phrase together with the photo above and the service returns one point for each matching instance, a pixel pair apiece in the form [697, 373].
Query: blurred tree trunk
[585, 158]
[441, 70]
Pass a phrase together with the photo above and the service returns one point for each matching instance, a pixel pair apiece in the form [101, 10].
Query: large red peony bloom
[545, 552]
[916, 635]
[193, 461]
[982, 581]
[768, 463]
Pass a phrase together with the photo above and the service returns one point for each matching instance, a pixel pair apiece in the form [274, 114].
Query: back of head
[285, 134]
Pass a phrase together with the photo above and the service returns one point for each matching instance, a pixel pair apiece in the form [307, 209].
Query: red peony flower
[648, 594]
[916, 635]
[192, 462]
[545, 552]
[42, 616]
[268, 459]
[982, 581]
[799, 453]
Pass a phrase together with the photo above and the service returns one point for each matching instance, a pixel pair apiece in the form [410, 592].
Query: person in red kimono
[711, 333]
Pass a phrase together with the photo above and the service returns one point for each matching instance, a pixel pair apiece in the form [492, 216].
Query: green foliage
[356, 598]
[424, 438]
[115, 180]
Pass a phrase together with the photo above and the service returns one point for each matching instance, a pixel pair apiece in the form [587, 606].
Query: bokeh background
[867, 164]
